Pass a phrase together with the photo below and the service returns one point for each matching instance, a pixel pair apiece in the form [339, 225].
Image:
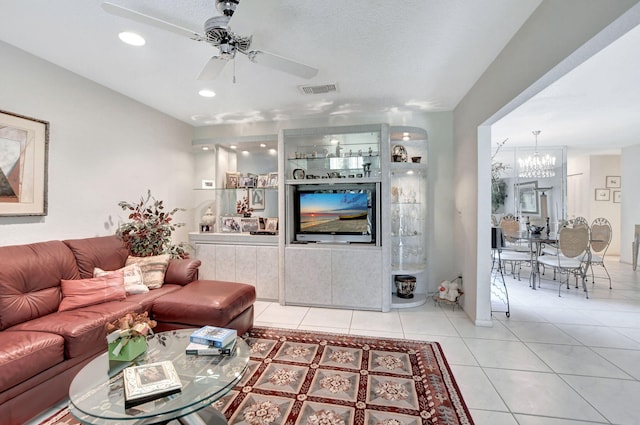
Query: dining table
[536, 242]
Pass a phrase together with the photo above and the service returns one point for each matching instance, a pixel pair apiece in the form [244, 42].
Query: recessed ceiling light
[205, 148]
[233, 147]
[131, 38]
[262, 145]
[273, 151]
[245, 153]
[206, 93]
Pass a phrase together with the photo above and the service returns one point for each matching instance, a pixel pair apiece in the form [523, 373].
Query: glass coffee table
[97, 392]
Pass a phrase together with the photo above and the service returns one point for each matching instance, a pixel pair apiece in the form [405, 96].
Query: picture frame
[246, 181]
[603, 194]
[273, 179]
[263, 180]
[230, 224]
[231, 180]
[613, 182]
[207, 228]
[271, 224]
[208, 184]
[256, 199]
[249, 224]
[24, 161]
[528, 197]
[617, 196]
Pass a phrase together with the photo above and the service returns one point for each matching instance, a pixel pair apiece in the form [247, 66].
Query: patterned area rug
[310, 378]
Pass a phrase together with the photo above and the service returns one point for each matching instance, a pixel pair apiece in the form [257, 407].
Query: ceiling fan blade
[213, 68]
[282, 64]
[123, 12]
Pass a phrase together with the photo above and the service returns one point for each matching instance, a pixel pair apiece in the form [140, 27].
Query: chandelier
[536, 166]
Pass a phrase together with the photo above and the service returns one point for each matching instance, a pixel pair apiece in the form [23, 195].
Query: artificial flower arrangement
[127, 335]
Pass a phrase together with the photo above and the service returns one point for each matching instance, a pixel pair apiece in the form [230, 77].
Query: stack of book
[212, 341]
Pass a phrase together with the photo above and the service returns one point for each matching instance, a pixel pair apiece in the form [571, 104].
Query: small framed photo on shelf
[613, 182]
[256, 199]
[230, 225]
[263, 180]
[207, 228]
[603, 194]
[617, 196]
[271, 224]
[246, 181]
[231, 181]
[208, 184]
[273, 179]
[249, 224]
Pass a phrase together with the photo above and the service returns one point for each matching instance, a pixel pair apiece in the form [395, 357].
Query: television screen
[334, 215]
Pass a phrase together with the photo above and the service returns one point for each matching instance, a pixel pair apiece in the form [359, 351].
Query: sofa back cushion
[105, 252]
[30, 278]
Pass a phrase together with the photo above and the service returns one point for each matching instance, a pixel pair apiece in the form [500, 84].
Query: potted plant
[148, 232]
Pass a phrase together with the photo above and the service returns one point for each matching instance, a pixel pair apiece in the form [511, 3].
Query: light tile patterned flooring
[556, 361]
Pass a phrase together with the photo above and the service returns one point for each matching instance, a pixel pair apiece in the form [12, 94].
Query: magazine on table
[149, 382]
[208, 350]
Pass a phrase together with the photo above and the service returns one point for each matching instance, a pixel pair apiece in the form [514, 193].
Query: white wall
[601, 167]
[441, 168]
[630, 200]
[544, 49]
[103, 148]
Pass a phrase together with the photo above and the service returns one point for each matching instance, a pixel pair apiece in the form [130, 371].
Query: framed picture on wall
[24, 153]
[617, 196]
[603, 194]
[528, 197]
[256, 199]
[231, 181]
[613, 182]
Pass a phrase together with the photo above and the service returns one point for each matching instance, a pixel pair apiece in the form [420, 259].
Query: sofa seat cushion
[204, 302]
[25, 354]
[83, 329]
[146, 300]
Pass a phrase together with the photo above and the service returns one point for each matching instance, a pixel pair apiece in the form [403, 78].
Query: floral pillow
[133, 281]
[153, 269]
[96, 290]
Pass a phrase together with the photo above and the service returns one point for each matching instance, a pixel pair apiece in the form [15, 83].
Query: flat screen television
[342, 213]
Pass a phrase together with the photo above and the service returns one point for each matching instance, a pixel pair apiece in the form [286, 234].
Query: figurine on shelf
[338, 150]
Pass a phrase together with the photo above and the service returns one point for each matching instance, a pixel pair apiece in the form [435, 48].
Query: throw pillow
[96, 290]
[153, 269]
[133, 282]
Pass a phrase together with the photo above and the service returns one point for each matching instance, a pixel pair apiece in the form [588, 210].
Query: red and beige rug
[311, 378]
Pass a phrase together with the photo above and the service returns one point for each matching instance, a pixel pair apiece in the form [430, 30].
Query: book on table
[214, 336]
[209, 350]
[148, 382]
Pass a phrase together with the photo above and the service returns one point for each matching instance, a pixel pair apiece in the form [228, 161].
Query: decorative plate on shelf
[298, 173]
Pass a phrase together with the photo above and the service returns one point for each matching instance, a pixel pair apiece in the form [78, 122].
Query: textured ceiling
[397, 58]
[394, 57]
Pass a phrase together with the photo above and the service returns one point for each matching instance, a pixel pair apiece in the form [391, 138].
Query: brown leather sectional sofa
[41, 348]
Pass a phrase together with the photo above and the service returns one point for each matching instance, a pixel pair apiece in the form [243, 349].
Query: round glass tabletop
[97, 392]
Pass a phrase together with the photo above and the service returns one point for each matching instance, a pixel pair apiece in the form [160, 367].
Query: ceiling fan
[218, 33]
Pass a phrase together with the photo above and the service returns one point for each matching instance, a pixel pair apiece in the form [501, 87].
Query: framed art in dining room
[617, 196]
[603, 194]
[528, 197]
[613, 182]
[24, 150]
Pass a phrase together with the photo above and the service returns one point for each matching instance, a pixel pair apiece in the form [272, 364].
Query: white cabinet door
[356, 278]
[308, 276]
[226, 263]
[246, 264]
[267, 272]
[206, 253]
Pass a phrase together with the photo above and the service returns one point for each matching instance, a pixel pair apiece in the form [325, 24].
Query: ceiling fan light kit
[218, 34]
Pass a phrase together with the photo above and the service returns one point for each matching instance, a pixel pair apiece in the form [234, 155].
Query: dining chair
[573, 252]
[511, 226]
[601, 234]
[503, 254]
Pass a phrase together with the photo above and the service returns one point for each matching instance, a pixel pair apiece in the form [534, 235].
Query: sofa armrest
[182, 271]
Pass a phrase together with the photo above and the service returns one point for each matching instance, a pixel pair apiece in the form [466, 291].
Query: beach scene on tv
[334, 212]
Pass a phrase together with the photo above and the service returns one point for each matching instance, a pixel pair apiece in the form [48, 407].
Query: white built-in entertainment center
[338, 215]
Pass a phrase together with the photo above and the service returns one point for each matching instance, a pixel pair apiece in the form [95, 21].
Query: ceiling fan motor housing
[227, 7]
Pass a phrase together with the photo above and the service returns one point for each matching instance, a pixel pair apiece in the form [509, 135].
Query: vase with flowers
[127, 336]
[242, 207]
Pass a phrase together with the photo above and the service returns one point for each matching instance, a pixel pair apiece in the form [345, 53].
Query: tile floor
[556, 361]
